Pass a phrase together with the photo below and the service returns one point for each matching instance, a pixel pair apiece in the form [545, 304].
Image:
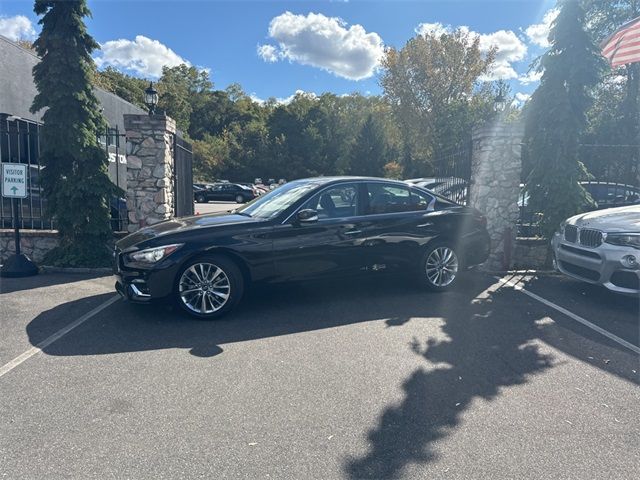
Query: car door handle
[352, 232]
[428, 224]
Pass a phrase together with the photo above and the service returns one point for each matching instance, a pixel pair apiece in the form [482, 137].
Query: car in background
[306, 229]
[232, 192]
[601, 247]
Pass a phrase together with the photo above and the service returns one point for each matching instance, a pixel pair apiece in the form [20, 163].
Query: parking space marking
[573, 316]
[56, 336]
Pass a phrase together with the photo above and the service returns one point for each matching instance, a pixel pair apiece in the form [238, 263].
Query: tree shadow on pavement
[487, 350]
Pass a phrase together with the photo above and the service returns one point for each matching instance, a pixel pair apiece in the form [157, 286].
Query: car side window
[340, 201]
[420, 200]
[388, 198]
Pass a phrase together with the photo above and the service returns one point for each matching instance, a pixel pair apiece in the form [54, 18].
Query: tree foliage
[432, 85]
[76, 183]
[556, 118]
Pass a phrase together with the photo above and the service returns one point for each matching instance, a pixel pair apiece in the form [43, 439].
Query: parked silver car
[601, 247]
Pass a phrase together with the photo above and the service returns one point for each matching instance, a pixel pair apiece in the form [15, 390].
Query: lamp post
[500, 103]
[151, 98]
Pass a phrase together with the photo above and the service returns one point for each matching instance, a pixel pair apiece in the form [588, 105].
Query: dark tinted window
[388, 198]
[420, 200]
[335, 202]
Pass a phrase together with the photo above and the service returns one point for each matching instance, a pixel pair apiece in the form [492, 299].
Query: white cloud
[142, 55]
[268, 53]
[285, 100]
[520, 99]
[436, 29]
[531, 77]
[324, 42]
[538, 33]
[509, 47]
[17, 28]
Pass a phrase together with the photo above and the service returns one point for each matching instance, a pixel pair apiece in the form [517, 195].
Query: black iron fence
[20, 143]
[613, 180]
[449, 173]
[183, 177]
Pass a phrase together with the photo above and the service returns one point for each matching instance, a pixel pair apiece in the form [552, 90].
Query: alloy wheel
[204, 288]
[441, 266]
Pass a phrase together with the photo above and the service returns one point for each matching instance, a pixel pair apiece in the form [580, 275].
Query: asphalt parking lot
[366, 378]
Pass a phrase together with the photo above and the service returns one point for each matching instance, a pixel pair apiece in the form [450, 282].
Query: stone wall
[33, 243]
[150, 166]
[495, 185]
[531, 253]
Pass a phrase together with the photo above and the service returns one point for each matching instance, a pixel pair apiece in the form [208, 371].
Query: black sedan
[306, 229]
[224, 192]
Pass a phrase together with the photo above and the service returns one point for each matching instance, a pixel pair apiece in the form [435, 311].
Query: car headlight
[154, 255]
[561, 227]
[624, 239]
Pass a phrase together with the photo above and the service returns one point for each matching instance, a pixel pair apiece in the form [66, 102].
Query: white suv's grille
[590, 237]
[571, 233]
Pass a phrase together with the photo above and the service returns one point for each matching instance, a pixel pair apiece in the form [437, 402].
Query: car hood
[621, 219]
[183, 224]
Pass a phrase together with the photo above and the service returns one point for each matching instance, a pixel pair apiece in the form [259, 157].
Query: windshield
[277, 201]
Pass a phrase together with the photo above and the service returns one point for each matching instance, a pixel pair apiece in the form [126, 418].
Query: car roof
[347, 178]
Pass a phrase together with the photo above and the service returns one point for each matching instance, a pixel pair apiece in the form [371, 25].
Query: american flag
[624, 45]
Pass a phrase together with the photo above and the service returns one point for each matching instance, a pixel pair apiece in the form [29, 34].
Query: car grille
[590, 238]
[571, 233]
[586, 237]
[580, 251]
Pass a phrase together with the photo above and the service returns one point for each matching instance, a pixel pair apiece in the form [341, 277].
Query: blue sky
[274, 48]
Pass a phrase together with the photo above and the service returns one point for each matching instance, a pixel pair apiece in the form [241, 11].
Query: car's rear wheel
[209, 287]
[200, 199]
[440, 266]
[239, 199]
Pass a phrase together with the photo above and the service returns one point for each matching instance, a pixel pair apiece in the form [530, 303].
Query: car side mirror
[308, 215]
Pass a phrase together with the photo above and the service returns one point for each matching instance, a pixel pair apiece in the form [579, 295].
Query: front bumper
[600, 265]
[142, 285]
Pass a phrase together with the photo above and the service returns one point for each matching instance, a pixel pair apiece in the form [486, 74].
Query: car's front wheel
[200, 199]
[440, 266]
[239, 199]
[209, 287]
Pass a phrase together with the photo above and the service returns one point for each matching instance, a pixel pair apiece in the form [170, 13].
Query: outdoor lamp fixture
[151, 98]
[500, 103]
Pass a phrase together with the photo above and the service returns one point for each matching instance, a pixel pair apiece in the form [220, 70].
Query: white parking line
[571, 315]
[59, 334]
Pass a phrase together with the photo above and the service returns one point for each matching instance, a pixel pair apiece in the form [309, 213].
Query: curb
[51, 269]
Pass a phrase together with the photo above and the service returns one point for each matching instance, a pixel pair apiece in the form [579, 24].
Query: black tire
[201, 199]
[239, 199]
[234, 280]
[439, 271]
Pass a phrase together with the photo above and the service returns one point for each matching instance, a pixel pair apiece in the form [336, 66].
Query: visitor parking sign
[14, 180]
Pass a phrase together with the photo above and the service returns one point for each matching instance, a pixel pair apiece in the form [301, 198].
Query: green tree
[76, 184]
[182, 89]
[430, 84]
[125, 86]
[369, 153]
[556, 118]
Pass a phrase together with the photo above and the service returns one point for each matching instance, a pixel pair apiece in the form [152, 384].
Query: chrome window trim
[430, 207]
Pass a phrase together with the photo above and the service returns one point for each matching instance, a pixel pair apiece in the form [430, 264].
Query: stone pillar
[496, 166]
[150, 169]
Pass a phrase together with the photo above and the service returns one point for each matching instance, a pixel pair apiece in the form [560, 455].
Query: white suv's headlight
[561, 227]
[154, 255]
[624, 239]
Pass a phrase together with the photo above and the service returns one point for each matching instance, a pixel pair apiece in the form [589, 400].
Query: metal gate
[20, 143]
[450, 173]
[182, 177]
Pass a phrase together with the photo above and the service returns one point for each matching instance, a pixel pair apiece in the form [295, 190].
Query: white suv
[601, 247]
